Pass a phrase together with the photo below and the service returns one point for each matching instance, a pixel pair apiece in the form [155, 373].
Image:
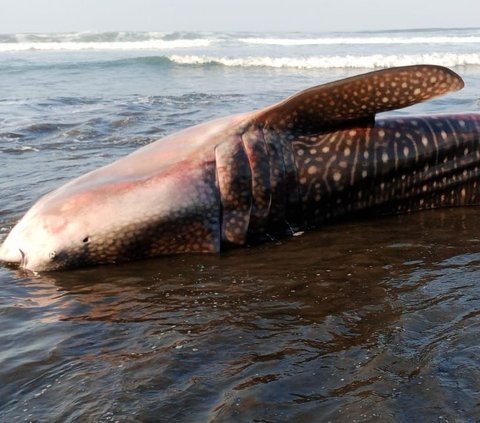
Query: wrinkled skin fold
[321, 154]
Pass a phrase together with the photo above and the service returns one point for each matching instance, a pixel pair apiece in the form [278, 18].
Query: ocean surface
[365, 321]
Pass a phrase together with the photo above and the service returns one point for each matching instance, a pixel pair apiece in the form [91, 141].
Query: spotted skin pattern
[326, 106]
[326, 154]
[319, 155]
[191, 227]
[399, 165]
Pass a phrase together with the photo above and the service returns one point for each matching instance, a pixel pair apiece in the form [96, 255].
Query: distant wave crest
[327, 62]
[132, 40]
[125, 45]
[362, 40]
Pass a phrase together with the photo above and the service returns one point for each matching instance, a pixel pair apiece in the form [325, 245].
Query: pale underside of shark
[316, 156]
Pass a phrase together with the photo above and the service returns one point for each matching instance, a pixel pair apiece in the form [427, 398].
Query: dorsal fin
[359, 98]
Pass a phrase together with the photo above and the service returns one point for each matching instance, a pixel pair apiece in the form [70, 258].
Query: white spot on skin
[346, 152]
[424, 141]
[301, 152]
[384, 157]
[366, 155]
[406, 151]
[325, 149]
[337, 176]
[312, 170]
[364, 173]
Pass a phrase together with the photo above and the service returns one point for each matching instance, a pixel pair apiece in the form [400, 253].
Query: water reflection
[370, 320]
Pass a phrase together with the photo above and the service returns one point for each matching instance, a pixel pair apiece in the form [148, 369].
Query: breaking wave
[312, 62]
[327, 62]
[159, 40]
[153, 44]
[361, 40]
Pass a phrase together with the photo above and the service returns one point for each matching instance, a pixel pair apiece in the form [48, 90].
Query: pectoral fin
[339, 104]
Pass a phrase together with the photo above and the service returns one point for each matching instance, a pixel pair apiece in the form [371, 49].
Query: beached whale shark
[319, 155]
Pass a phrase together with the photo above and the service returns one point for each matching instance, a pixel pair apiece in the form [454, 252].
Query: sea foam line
[326, 62]
[99, 45]
[361, 40]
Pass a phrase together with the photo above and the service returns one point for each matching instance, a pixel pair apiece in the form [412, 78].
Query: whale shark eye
[85, 240]
[52, 254]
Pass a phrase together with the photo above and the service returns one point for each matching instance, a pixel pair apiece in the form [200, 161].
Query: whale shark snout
[318, 155]
[29, 244]
[43, 239]
[99, 218]
[9, 253]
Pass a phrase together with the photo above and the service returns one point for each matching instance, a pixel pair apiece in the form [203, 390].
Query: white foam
[28, 148]
[326, 62]
[101, 45]
[361, 40]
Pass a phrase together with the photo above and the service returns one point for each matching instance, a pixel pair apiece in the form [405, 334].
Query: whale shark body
[316, 156]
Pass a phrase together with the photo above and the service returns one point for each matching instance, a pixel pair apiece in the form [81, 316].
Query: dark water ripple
[319, 326]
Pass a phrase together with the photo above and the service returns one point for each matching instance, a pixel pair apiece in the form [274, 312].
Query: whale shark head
[76, 228]
[161, 199]
[98, 219]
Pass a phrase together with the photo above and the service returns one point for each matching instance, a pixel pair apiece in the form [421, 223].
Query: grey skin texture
[319, 155]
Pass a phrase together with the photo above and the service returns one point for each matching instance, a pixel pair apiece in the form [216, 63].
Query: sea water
[362, 321]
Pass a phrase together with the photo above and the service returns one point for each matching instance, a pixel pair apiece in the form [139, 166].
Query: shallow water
[364, 321]
[372, 320]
